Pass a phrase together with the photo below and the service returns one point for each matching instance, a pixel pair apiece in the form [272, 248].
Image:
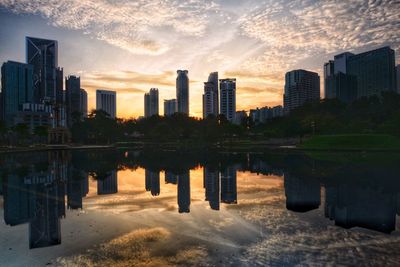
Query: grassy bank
[352, 142]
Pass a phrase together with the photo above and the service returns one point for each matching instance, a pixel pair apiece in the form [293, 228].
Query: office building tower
[17, 89]
[398, 78]
[301, 86]
[83, 103]
[374, 71]
[182, 91]
[43, 55]
[184, 192]
[209, 100]
[227, 89]
[240, 118]
[107, 101]
[108, 184]
[73, 99]
[213, 78]
[59, 86]
[151, 103]
[169, 107]
[229, 185]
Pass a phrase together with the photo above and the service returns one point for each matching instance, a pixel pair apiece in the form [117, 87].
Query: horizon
[130, 50]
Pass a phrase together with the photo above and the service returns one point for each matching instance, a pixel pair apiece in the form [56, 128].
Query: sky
[132, 46]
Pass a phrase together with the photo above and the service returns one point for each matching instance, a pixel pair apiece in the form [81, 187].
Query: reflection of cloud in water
[138, 248]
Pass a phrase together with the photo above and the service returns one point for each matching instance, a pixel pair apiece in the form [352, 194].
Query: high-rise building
[17, 88]
[84, 103]
[209, 100]
[43, 55]
[182, 91]
[374, 71]
[106, 101]
[301, 86]
[59, 86]
[398, 78]
[227, 89]
[213, 78]
[151, 103]
[73, 99]
[169, 107]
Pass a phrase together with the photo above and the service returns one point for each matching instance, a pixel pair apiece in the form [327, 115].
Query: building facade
[182, 91]
[398, 78]
[169, 107]
[17, 89]
[43, 55]
[228, 98]
[73, 99]
[374, 71]
[262, 115]
[107, 101]
[151, 103]
[213, 78]
[301, 86]
[209, 100]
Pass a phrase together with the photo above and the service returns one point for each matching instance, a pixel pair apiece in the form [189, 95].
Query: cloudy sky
[131, 46]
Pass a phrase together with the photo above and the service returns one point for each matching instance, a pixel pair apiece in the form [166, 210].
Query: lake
[154, 207]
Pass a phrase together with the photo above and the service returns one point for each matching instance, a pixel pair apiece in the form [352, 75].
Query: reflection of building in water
[228, 185]
[211, 184]
[302, 194]
[351, 205]
[108, 185]
[184, 192]
[77, 188]
[152, 182]
[170, 178]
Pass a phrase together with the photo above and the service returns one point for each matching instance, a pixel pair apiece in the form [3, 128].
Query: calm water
[160, 208]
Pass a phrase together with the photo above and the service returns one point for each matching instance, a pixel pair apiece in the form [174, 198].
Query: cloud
[135, 26]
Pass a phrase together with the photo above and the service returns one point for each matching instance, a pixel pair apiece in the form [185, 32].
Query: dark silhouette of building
[152, 182]
[151, 103]
[84, 103]
[43, 55]
[211, 184]
[60, 86]
[77, 188]
[356, 205]
[182, 91]
[213, 78]
[184, 192]
[374, 71]
[73, 99]
[228, 185]
[301, 86]
[210, 96]
[170, 107]
[302, 194]
[107, 101]
[108, 184]
[227, 102]
[17, 89]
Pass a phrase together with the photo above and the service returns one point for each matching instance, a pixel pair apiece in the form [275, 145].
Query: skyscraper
[209, 100]
[106, 101]
[84, 103]
[301, 86]
[182, 91]
[213, 78]
[227, 89]
[43, 55]
[151, 103]
[17, 88]
[73, 98]
[169, 107]
[374, 71]
[60, 86]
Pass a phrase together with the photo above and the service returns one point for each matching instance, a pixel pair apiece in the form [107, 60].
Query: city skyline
[146, 56]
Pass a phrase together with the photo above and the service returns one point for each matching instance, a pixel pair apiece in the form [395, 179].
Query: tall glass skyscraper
[213, 78]
[374, 71]
[182, 91]
[43, 55]
[107, 101]
[17, 88]
[169, 107]
[209, 100]
[227, 89]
